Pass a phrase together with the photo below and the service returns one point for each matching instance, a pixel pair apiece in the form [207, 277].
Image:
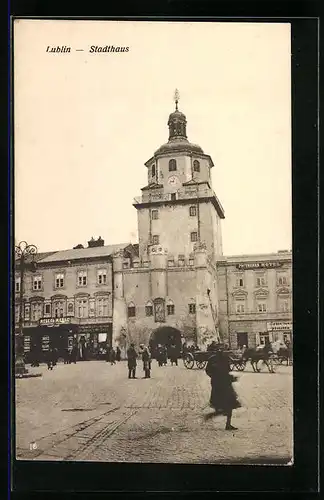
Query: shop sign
[276, 326]
[104, 328]
[259, 265]
[45, 343]
[54, 321]
[26, 344]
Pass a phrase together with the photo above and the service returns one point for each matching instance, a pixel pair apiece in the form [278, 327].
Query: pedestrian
[212, 346]
[34, 355]
[173, 354]
[146, 358]
[50, 359]
[223, 397]
[66, 356]
[108, 353]
[112, 356]
[159, 355]
[118, 353]
[131, 361]
[74, 353]
[164, 355]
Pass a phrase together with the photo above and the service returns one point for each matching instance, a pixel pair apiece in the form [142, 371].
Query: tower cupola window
[196, 166]
[172, 165]
[153, 170]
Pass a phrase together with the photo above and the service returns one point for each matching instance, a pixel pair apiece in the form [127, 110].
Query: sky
[85, 124]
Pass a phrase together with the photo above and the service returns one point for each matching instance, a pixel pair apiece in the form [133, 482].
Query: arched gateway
[165, 335]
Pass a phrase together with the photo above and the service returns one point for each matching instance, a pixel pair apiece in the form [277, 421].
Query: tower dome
[177, 133]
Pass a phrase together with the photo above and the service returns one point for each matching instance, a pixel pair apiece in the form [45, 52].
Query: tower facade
[172, 286]
[178, 206]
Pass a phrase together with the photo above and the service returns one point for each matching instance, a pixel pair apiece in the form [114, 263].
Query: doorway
[242, 339]
[165, 335]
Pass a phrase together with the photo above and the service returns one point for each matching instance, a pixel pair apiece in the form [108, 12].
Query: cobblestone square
[91, 411]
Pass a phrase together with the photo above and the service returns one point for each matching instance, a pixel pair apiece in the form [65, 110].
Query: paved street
[92, 411]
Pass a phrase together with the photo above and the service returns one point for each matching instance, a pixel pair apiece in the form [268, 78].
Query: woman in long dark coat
[223, 397]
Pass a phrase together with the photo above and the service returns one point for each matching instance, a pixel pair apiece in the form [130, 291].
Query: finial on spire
[176, 98]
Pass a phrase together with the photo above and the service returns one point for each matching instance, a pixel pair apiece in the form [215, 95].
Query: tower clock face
[173, 180]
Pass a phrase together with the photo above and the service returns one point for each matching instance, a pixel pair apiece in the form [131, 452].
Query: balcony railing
[178, 195]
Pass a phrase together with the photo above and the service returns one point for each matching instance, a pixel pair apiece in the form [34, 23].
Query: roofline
[185, 201]
[80, 260]
[171, 153]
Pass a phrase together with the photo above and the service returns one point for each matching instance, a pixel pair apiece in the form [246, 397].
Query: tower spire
[176, 98]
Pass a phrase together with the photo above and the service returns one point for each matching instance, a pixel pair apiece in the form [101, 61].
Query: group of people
[163, 354]
[132, 356]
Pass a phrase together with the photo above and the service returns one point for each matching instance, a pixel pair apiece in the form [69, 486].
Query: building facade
[256, 298]
[175, 285]
[69, 296]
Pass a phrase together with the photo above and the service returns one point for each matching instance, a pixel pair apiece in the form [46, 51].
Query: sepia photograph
[152, 289]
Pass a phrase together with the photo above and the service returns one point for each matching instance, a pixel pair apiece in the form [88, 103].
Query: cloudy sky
[85, 123]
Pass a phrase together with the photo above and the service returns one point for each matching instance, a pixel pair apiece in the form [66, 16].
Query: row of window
[173, 167]
[283, 306]
[192, 212]
[171, 262]
[149, 310]
[58, 309]
[59, 280]
[260, 280]
[155, 240]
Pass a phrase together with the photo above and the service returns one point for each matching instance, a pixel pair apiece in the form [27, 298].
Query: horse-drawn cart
[236, 361]
[198, 358]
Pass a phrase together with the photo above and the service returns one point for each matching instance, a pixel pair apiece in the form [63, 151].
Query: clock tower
[178, 207]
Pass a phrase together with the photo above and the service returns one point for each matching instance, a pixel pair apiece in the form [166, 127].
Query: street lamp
[22, 250]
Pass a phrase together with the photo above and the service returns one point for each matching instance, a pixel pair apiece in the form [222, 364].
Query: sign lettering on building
[259, 265]
[103, 328]
[54, 321]
[279, 326]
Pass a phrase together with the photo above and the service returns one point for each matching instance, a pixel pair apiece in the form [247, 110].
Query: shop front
[52, 333]
[93, 340]
[62, 334]
[280, 331]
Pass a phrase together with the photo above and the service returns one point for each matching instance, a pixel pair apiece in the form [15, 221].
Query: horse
[260, 353]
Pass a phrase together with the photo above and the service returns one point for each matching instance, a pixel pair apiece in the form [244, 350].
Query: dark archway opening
[166, 336]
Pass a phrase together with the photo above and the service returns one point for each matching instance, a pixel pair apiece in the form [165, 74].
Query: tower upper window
[196, 166]
[193, 211]
[153, 170]
[172, 165]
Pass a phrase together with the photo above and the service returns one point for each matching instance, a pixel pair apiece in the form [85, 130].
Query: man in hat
[146, 358]
[131, 361]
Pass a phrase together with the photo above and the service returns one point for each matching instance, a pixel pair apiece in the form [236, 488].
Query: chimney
[96, 243]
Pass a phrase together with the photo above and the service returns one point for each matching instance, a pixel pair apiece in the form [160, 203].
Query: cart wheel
[189, 361]
[232, 367]
[201, 364]
[241, 366]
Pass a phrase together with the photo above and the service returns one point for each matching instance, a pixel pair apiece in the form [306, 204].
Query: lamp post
[22, 250]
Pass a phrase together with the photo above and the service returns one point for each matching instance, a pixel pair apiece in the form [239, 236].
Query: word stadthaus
[108, 48]
[63, 49]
